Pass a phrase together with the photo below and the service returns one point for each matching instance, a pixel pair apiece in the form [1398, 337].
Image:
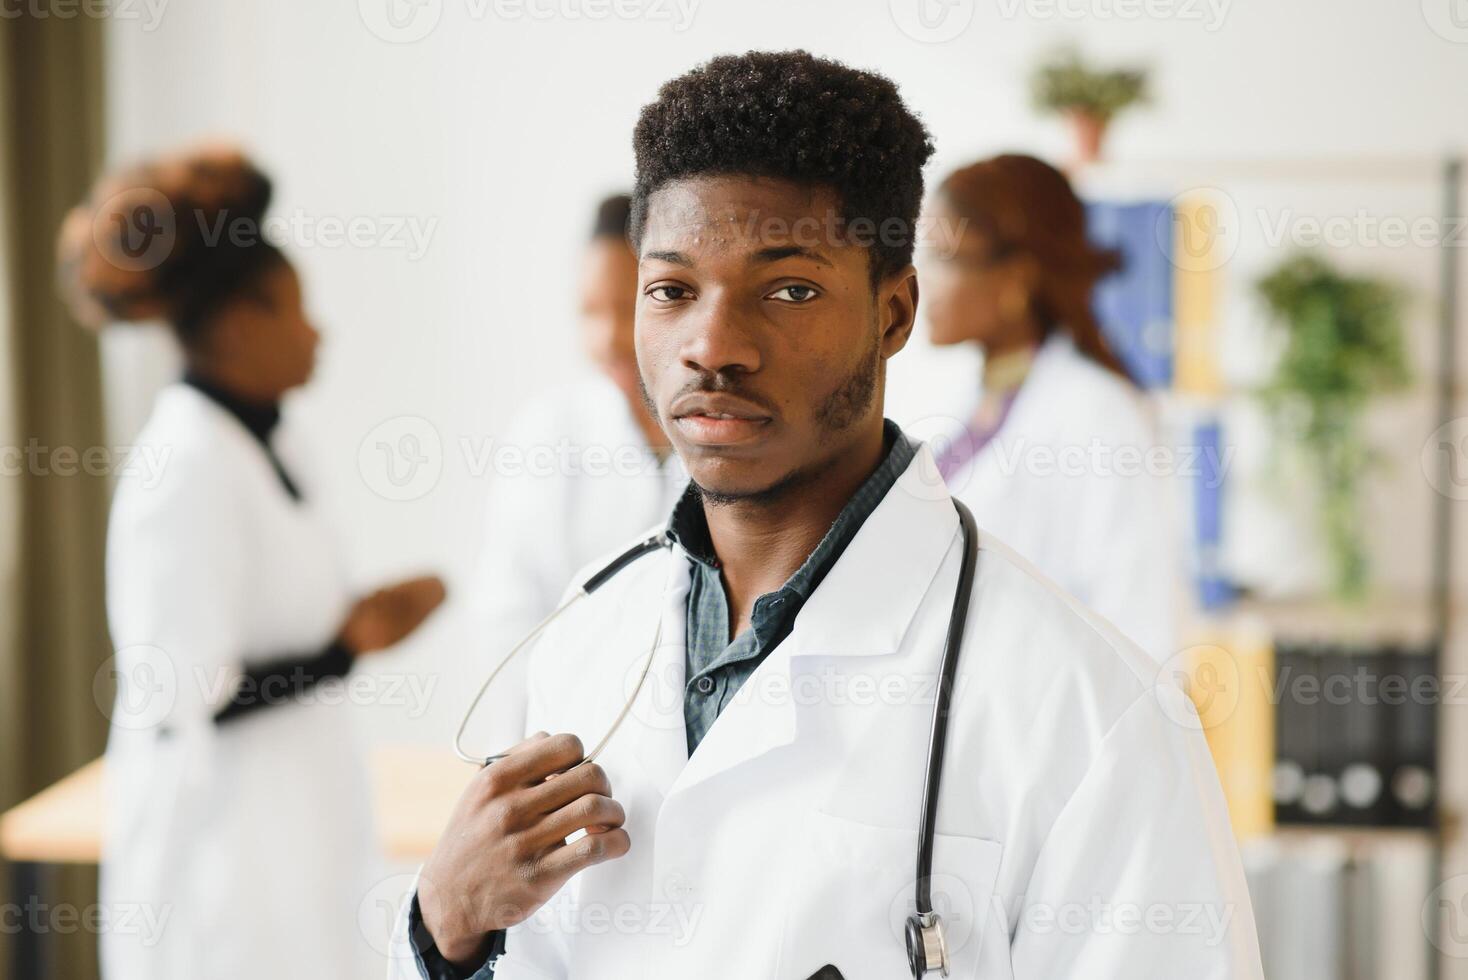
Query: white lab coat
[248, 844]
[1082, 831]
[1066, 483]
[574, 478]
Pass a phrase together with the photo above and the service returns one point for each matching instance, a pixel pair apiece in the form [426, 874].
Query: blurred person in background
[236, 801]
[1052, 395]
[597, 469]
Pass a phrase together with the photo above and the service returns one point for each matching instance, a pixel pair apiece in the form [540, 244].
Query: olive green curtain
[53, 637]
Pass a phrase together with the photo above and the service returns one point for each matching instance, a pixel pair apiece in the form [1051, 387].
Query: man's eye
[794, 294]
[668, 294]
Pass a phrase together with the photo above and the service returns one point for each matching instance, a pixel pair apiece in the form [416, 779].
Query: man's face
[760, 339]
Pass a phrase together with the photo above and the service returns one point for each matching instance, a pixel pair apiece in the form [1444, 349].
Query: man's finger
[573, 784]
[532, 761]
[566, 860]
[580, 814]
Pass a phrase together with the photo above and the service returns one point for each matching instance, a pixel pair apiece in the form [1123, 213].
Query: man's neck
[760, 543]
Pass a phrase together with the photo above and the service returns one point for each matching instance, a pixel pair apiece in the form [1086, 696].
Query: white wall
[499, 129]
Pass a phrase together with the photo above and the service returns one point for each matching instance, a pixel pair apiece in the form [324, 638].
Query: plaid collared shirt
[717, 666]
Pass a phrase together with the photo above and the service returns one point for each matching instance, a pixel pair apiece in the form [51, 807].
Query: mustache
[722, 384]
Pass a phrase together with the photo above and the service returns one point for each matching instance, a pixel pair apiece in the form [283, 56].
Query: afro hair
[792, 116]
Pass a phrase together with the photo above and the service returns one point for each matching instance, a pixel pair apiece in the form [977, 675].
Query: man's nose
[719, 339]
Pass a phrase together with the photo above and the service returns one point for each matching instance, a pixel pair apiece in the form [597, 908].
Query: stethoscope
[926, 950]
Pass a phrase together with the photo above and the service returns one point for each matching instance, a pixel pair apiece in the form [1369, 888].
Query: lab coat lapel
[661, 740]
[868, 599]
[863, 608]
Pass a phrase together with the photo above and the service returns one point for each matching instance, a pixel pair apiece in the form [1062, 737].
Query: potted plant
[1089, 97]
[1343, 345]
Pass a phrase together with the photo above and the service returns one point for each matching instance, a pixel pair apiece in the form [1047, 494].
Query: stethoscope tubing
[942, 702]
[593, 583]
[937, 737]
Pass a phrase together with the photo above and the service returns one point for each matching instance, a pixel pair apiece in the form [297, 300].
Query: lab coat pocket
[852, 889]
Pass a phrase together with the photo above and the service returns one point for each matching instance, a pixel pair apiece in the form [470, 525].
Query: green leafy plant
[1343, 346]
[1066, 84]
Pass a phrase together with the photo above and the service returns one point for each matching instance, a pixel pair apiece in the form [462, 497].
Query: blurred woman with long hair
[237, 810]
[1052, 458]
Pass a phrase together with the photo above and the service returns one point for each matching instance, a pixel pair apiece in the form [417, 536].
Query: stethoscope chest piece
[927, 953]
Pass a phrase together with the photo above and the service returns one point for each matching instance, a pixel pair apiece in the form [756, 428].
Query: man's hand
[504, 852]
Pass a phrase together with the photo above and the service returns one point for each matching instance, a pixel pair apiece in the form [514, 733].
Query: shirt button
[704, 685]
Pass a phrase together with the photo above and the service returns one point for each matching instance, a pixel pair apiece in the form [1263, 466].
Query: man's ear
[897, 299]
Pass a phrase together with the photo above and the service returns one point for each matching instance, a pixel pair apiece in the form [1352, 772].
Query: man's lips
[718, 419]
[717, 404]
[711, 430]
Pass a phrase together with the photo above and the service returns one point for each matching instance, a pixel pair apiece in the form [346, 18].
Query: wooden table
[414, 789]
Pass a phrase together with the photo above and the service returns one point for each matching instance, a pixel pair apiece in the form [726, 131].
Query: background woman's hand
[388, 615]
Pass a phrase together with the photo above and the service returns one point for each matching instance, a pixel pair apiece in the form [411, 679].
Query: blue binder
[1134, 305]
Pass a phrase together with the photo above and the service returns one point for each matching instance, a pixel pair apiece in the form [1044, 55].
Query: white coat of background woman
[237, 811]
[1052, 456]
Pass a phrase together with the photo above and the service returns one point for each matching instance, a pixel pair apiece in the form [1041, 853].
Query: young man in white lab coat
[756, 814]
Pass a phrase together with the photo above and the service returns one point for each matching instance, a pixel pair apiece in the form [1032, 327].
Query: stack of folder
[1356, 735]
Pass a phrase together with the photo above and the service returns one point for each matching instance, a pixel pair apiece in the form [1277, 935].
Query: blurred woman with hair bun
[1052, 458]
[237, 807]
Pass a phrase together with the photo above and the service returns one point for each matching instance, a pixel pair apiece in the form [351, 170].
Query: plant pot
[1090, 133]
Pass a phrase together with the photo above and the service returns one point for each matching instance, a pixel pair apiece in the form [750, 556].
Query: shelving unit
[1428, 618]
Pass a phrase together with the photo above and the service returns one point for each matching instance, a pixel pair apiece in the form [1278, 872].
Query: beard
[843, 407]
